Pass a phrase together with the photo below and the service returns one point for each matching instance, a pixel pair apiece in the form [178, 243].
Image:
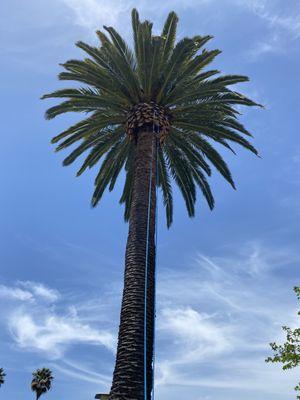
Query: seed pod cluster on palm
[144, 114]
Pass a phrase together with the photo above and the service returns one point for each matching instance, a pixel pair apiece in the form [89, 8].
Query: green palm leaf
[166, 187]
[2, 376]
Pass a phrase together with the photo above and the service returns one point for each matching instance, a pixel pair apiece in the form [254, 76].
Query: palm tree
[156, 114]
[41, 381]
[2, 376]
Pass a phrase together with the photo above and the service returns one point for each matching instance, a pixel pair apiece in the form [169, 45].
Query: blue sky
[225, 278]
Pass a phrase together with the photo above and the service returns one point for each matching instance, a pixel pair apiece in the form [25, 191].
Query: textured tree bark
[128, 377]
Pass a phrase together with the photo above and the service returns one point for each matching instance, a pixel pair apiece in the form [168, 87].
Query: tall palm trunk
[128, 378]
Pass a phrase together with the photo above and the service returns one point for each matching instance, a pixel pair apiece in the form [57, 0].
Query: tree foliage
[288, 353]
[2, 376]
[41, 381]
[201, 107]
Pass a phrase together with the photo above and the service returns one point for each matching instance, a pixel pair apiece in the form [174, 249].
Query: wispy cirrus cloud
[193, 337]
[28, 291]
[52, 334]
[95, 13]
[217, 312]
[80, 375]
[275, 14]
[38, 320]
[199, 333]
[81, 372]
[282, 24]
[40, 290]
[15, 293]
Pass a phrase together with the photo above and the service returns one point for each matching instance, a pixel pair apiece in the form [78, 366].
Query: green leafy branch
[288, 353]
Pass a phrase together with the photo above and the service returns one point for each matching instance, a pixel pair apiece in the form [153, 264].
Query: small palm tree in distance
[2, 376]
[41, 381]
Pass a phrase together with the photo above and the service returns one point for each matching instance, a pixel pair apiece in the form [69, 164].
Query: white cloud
[268, 11]
[94, 14]
[28, 291]
[14, 293]
[192, 339]
[82, 372]
[199, 334]
[272, 45]
[52, 334]
[40, 323]
[78, 375]
[282, 27]
[40, 290]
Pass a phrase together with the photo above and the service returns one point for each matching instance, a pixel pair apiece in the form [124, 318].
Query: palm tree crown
[41, 381]
[2, 376]
[161, 84]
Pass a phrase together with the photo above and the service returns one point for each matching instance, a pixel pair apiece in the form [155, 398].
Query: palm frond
[2, 376]
[107, 170]
[211, 154]
[99, 149]
[182, 176]
[169, 36]
[128, 186]
[166, 187]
